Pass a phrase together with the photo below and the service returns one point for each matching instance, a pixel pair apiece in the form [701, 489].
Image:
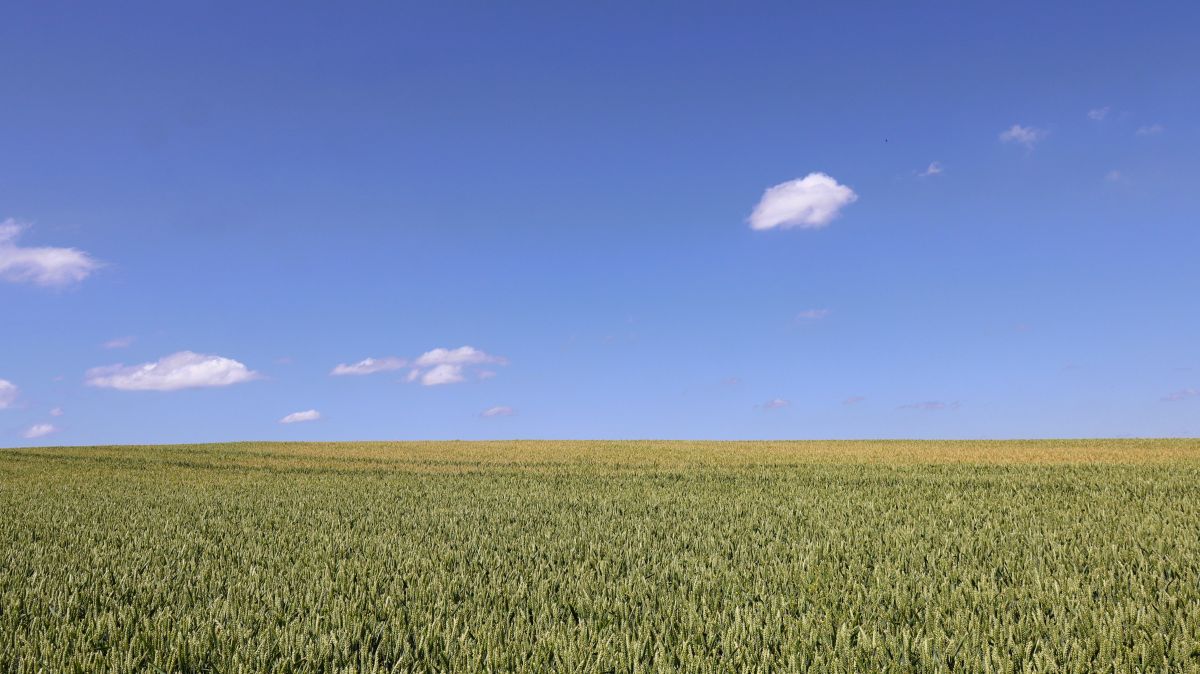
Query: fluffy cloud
[170, 373]
[119, 343]
[810, 202]
[1098, 114]
[930, 405]
[44, 266]
[8, 393]
[296, 417]
[369, 366]
[1023, 135]
[812, 314]
[935, 168]
[1181, 394]
[38, 430]
[498, 411]
[775, 404]
[448, 366]
[1151, 130]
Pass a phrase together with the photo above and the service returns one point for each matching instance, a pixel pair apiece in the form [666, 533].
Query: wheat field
[1023, 556]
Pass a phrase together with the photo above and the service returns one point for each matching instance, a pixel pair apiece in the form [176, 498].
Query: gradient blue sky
[294, 186]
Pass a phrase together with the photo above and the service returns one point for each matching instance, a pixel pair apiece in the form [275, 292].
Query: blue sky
[209, 207]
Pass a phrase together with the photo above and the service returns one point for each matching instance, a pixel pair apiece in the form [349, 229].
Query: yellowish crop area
[896, 556]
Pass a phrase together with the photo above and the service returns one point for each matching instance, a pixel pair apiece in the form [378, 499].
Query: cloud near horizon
[930, 405]
[369, 366]
[1181, 394]
[38, 430]
[776, 403]
[810, 202]
[43, 266]
[296, 417]
[181, 370]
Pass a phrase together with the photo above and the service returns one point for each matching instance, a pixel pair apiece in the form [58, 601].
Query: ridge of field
[631, 556]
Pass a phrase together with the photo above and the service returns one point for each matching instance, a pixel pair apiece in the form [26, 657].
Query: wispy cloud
[56, 412]
[1098, 114]
[1150, 130]
[119, 343]
[810, 202]
[935, 168]
[43, 266]
[369, 366]
[38, 431]
[1114, 176]
[1181, 394]
[441, 366]
[170, 373]
[930, 405]
[812, 315]
[731, 381]
[498, 411]
[776, 404]
[297, 417]
[853, 400]
[1023, 135]
[8, 393]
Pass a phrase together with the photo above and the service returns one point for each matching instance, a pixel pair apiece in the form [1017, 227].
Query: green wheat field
[1039, 556]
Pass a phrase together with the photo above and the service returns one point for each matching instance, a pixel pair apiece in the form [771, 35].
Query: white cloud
[1024, 135]
[498, 411]
[44, 266]
[931, 405]
[295, 417]
[935, 168]
[56, 412]
[775, 404]
[1114, 176]
[448, 366]
[1098, 114]
[119, 343]
[369, 366]
[170, 373]
[812, 314]
[810, 202]
[1150, 130]
[442, 374]
[38, 430]
[8, 393]
[853, 400]
[1181, 394]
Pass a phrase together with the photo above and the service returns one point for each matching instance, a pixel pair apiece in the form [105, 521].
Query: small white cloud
[498, 411]
[56, 412]
[1181, 394]
[808, 203]
[1114, 176]
[731, 381]
[812, 314]
[43, 266]
[170, 373]
[930, 405]
[1023, 135]
[776, 403]
[935, 168]
[445, 373]
[38, 430]
[1150, 130]
[853, 400]
[1098, 114]
[119, 343]
[448, 366]
[296, 417]
[8, 393]
[369, 366]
